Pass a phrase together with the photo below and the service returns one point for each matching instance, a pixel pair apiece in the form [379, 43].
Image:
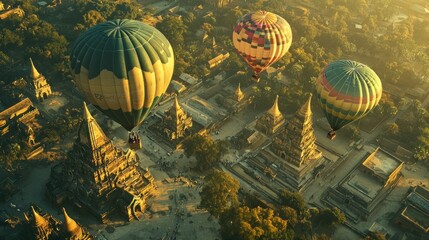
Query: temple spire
[39, 221]
[90, 132]
[86, 114]
[274, 110]
[71, 226]
[34, 73]
[238, 93]
[306, 108]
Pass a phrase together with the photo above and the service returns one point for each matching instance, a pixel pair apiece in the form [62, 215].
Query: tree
[244, 223]
[207, 151]
[293, 200]
[92, 17]
[392, 129]
[219, 192]
[421, 151]
[329, 217]
[174, 29]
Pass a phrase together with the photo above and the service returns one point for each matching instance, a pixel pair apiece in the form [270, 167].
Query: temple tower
[103, 178]
[72, 230]
[176, 122]
[238, 94]
[42, 88]
[296, 145]
[271, 120]
[41, 227]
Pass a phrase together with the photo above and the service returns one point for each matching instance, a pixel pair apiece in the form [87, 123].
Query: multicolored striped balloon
[262, 38]
[123, 67]
[347, 91]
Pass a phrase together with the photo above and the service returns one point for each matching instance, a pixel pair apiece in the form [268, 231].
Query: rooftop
[417, 217]
[362, 186]
[16, 109]
[381, 164]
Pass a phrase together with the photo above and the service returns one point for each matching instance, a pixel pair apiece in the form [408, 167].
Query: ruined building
[271, 120]
[38, 226]
[42, 89]
[176, 122]
[99, 177]
[296, 146]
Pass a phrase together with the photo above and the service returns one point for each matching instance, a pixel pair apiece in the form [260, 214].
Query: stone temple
[99, 177]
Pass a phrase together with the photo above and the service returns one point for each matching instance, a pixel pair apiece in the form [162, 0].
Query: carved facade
[271, 121]
[38, 226]
[42, 89]
[100, 177]
[176, 122]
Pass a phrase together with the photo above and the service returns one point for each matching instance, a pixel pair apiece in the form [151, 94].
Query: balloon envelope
[262, 38]
[347, 91]
[122, 67]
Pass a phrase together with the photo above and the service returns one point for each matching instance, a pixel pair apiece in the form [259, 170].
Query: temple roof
[306, 108]
[39, 221]
[33, 72]
[176, 109]
[71, 226]
[274, 110]
[90, 132]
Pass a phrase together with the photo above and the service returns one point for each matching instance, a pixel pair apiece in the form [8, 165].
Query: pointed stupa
[34, 73]
[26, 218]
[238, 93]
[39, 221]
[70, 225]
[306, 108]
[177, 109]
[274, 110]
[90, 132]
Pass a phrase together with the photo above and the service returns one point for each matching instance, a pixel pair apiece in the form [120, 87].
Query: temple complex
[364, 188]
[176, 122]
[42, 89]
[99, 177]
[271, 121]
[38, 226]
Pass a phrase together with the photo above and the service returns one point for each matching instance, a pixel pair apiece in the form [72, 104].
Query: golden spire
[26, 218]
[306, 108]
[238, 93]
[34, 73]
[90, 132]
[274, 110]
[86, 114]
[70, 225]
[176, 104]
[39, 221]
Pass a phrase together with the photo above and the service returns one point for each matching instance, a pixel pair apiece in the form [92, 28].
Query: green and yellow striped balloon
[347, 91]
[123, 67]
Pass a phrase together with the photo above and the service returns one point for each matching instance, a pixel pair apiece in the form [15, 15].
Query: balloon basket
[331, 135]
[256, 78]
[134, 141]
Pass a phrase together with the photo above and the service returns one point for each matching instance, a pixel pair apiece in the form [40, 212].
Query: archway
[44, 95]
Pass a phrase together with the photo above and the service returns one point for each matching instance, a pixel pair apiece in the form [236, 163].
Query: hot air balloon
[261, 38]
[347, 91]
[123, 67]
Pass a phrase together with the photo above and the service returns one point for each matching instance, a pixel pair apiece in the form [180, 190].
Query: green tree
[207, 151]
[174, 29]
[244, 223]
[293, 200]
[92, 17]
[421, 151]
[9, 155]
[219, 193]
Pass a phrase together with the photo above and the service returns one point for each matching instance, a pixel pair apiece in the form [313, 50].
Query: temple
[363, 189]
[271, 121]
[42, 89]
[99, 177]
[296, 146]
[176, 122]
[43, 226]
[289, 160]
